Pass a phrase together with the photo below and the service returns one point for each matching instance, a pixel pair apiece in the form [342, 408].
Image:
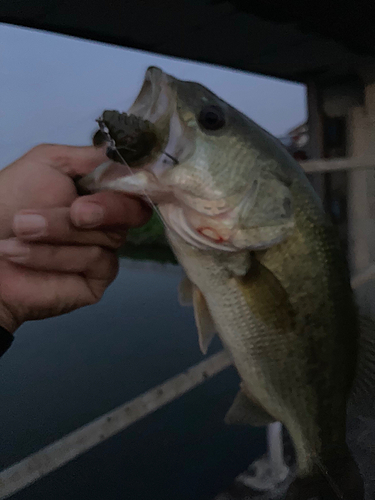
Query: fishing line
[112, 147]
[335, 487]
[175, 161]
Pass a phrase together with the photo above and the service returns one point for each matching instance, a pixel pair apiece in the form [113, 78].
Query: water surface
[63, 372]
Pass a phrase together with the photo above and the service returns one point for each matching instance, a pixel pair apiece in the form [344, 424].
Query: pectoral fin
[266, 297]
[185, 292]
[203, 319]
[246, 411]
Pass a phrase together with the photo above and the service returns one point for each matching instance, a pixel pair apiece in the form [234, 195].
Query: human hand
[57, 250]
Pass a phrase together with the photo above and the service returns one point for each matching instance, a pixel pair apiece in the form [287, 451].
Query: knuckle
[109, 266]
[104, 276]
[42, 149]
[110, 271]
[96, 295]
[56, 154]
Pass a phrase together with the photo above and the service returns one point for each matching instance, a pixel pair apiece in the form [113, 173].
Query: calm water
[62, 373]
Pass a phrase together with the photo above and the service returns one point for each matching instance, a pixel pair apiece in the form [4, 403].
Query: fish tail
[338, 479]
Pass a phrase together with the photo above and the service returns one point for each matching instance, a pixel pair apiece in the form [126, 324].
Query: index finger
[117, 210]
[70, 160]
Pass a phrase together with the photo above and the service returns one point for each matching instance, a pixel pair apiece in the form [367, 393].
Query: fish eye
[212, 118]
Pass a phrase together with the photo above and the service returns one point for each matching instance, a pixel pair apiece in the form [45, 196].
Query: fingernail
[88, 215]
[13, 249]
[30, 225]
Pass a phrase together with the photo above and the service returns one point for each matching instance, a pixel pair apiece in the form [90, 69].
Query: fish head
[214, 179]
[202, 135]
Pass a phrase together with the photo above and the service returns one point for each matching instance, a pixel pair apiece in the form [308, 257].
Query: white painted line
[338, 164]
[44, 461]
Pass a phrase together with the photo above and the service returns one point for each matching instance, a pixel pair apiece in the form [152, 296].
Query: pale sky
[53, 87]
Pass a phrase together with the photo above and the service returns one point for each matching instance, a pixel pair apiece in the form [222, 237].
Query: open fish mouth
[156, 103]
[139, 135]
[155, 97]
[145, 138]
[151, 128]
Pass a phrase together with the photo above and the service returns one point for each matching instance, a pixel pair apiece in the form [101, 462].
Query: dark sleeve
[6, 340]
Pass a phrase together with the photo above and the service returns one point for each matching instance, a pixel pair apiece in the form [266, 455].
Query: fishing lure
[128, 137]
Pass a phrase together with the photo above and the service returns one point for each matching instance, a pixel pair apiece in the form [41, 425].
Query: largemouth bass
[265, 268]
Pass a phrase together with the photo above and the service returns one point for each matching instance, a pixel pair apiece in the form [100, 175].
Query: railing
[338, 164]
[362, 269]
[69, 447]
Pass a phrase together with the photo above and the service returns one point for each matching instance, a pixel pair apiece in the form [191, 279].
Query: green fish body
[265, 268]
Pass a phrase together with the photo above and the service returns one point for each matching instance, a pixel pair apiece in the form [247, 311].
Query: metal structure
[292, 39]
